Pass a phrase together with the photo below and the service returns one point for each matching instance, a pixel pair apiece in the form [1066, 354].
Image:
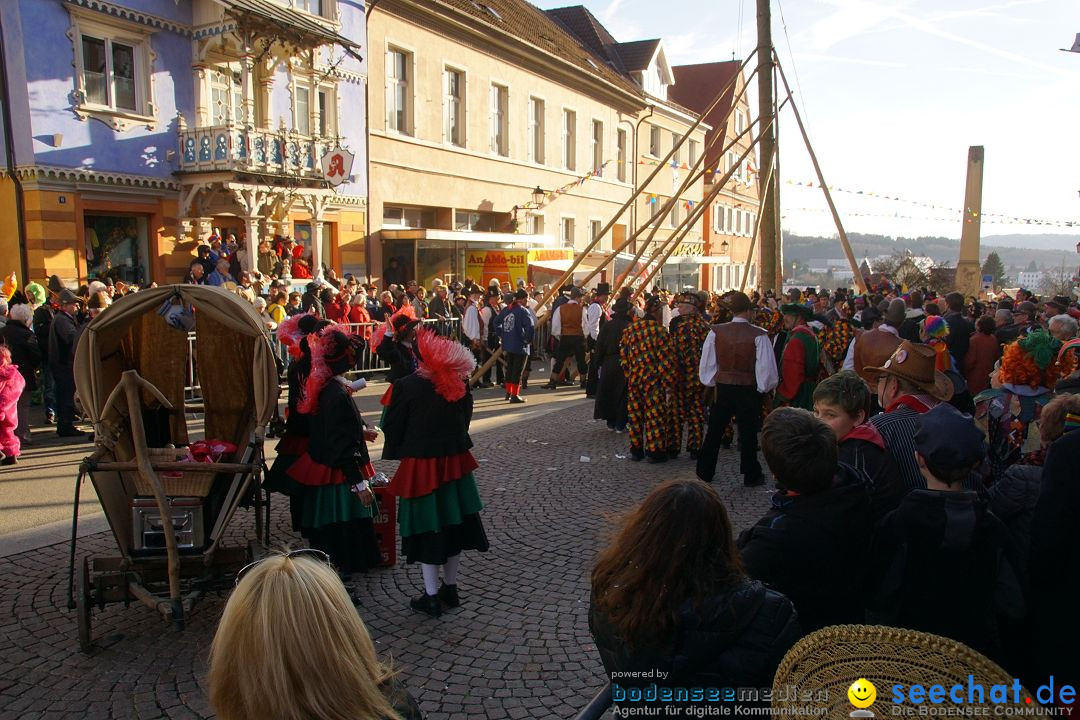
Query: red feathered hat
[398, 322]
[444, 362]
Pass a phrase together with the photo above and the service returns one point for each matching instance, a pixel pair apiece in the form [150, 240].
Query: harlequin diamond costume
[648, 362]
[293, 332]
[427, 429]
[688, 333]
[337, 503]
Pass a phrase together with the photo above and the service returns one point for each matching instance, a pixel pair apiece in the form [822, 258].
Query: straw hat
[827, 662]
[915, 363]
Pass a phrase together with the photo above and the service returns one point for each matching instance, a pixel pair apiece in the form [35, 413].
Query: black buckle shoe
[427, 604]
[448, 595]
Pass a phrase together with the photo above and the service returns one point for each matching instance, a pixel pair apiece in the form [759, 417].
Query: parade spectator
[1024, 316]
[221, 274]
[1054, 565]
[490, 335]
[439, 305]
[811, 545]
[293, 308]
[26, 355]
[333, 306]
[290, 644]
[842, 401]
[941, 560]
[358, 314]
[61, 357]
[669, 594]
[959, 329]
[276, 307]
[203, 256]
[269, 324]
[1063, 327]
[45, 308]
[300, 269]
[244, 286]
[267, 262]
[984, 350]
[196, 274]
[1006, 330]
[909, 329]
[908, 385]
[12, 386]
[310, 301]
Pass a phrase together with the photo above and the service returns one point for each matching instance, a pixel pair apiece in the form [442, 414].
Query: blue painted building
[132, 128]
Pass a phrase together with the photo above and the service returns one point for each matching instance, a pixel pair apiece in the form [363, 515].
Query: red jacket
[982, 353]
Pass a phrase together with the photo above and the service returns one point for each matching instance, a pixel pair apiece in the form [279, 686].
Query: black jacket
[402, 359]
[735, 639]
[959, 339]
[876, 466]
[62, 338]
[811, 548]
[25, 351]
[611, 390]
[337, 438]
[43, 318]
[942, 565]
[1012, 500]
[420, 423]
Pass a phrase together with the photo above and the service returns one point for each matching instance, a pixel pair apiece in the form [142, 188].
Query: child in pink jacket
[11, 387]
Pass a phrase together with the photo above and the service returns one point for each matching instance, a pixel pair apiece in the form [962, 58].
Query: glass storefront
[117, 247]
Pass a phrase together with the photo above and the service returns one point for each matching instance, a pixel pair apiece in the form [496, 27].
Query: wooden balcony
[227, 148]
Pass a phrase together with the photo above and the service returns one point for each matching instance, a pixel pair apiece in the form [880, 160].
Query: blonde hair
[291, 646]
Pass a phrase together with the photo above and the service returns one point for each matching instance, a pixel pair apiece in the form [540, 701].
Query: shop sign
[503, 265]
[337, 166]
[549, 254]
[689, 249]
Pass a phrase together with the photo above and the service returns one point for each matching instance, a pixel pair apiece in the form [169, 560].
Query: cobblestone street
[519, 646]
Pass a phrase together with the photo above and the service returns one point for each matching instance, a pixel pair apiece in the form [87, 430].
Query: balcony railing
[230, 148]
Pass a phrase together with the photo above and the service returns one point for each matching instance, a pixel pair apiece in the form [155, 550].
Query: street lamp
[538, 196]
[724, 247]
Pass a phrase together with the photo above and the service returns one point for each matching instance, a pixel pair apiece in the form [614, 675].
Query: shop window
[117, 247]
[112, 71]
[395, 217]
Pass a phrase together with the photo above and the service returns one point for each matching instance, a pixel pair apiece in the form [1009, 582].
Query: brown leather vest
[736, 353]
[872, 349]
[570, 319]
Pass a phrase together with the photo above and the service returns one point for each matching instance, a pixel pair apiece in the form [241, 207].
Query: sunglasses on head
[302, 552]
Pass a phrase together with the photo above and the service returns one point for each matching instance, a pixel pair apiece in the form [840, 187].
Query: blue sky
[894, 92]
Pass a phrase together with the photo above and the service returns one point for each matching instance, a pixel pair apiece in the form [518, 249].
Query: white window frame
[677, 157]
[534, 223]
[328, 121]
[228, 70]
[596, 225]
[93, 25]
[693, 153]
[569, 137]
[537, 130]
[448, 100]
[410, 89]
[729, 226]
[328, 11]
[620, 149]
[297, 85]
[564, 241]
[598, 147]
[499, 109]
[654, 141]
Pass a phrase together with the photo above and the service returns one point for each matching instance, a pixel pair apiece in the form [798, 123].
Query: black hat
[575, 292]
[54, 284]
[602, 289]
[565, 289]
[521, 294]
[947, 438]
[403, 322]
[494, 292]
[796, 309]
[621, 306]
[476, 290]
[66, 296]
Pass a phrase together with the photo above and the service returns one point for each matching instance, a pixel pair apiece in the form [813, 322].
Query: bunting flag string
[987, 218]
[550, 194]
[969, 214]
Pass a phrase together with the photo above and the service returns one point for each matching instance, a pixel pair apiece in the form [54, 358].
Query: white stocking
[450, 569]
[431, 578]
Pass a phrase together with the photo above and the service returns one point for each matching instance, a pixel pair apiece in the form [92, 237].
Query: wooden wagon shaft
[692, 177]
[757, 227]
[859, 284]
[697, 213]
[130, 385]
[187, 467]
[569, 272]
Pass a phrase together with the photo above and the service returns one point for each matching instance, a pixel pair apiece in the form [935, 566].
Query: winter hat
[35, 293]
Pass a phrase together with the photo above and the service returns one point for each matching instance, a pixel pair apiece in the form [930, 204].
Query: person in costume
[1030, 369]
[800, 359]
[736, 358]
[337, 515]
[515, 327]
[596, 315]
[395, 344]
[427, 430]
[568, 325]
[688, 333]
[648, 361]
[293, 332]
[611, 388]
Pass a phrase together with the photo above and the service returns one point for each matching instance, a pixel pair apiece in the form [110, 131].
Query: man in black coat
[811, 545]
[62, 338]
[960, 329]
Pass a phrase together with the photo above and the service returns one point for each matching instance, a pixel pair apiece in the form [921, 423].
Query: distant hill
[1016, 251]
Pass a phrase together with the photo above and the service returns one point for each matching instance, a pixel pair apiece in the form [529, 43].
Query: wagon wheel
[82, 605]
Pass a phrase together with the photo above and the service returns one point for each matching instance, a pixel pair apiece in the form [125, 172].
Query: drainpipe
[9, 151]
[367, 144]
[633, 208]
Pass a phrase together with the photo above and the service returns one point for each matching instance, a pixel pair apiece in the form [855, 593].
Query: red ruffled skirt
[308, 472]
[417, 477]
[292, 444]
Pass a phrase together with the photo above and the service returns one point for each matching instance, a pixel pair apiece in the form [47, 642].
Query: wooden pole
[757, 227]
[766, 110]
[859, 284]
[569, 272]
[698, 212]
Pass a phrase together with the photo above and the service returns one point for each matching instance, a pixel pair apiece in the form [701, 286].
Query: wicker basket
[188, 484]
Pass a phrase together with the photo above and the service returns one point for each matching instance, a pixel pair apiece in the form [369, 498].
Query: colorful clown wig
[1034, 361]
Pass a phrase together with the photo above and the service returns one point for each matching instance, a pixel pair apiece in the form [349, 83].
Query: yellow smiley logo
[862, 693]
